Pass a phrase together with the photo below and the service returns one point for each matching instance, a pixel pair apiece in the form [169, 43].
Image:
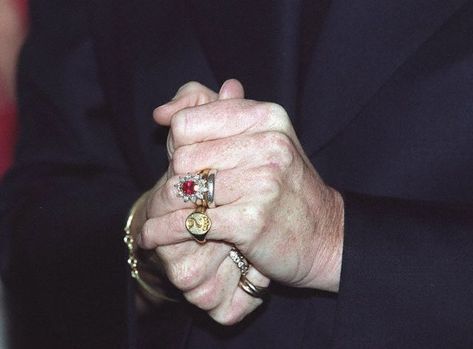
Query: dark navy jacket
[381, 95]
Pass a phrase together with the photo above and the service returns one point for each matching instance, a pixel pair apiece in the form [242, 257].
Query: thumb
[189, 95]
[231, 89]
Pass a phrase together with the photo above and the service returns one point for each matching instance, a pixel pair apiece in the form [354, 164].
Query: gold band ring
[250, 288]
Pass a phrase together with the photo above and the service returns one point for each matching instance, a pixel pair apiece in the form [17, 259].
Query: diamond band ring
[237, 257]
[246, 285]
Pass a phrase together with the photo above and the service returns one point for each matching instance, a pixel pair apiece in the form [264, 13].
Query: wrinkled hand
[204, 273]
[272, 205]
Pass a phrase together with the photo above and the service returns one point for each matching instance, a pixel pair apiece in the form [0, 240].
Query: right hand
[204, 273]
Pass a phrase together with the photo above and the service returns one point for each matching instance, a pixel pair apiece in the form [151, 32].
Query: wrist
[329, 244]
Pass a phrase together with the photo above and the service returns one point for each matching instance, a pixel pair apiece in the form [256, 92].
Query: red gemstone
[188, 187]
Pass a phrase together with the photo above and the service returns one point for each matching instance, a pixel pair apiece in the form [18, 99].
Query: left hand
[272, 204]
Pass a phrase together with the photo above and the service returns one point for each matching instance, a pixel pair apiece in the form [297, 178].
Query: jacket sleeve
[406, 275]
[65, 201]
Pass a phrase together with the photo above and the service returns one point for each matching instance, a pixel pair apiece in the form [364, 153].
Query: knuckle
[275, 116]
[189, 87]
[277, 110]
[270, 116]
[285, 156]
[184, 275]
[255, 217]
[262, 111]
[283, 152]
[269, 182]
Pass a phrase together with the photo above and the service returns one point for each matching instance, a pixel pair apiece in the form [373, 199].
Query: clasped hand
[271, 203]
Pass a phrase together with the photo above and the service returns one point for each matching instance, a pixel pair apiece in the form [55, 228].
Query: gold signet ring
[198, 224]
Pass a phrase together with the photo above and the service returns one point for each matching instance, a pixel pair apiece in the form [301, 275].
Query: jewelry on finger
[194, 188]
[156, 295]
[250, 288]
[211, 189]
[246, 285]
[198, 224]
[237, 257]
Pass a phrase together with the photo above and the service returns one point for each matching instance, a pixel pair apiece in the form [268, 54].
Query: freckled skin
[271, 203]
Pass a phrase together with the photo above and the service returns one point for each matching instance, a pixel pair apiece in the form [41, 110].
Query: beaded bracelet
[152, 293]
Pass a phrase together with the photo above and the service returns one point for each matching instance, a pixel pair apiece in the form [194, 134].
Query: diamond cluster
[191, 187]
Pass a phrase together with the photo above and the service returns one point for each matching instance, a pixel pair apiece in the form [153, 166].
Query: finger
[230, 186]
[164, 230]
[256, 278]
[235, 224]
[189, 95]
[231, 89]
[192, 94]
[243, 151]
[233, 309]
[189, 265]
[218, 289]
[226, 118]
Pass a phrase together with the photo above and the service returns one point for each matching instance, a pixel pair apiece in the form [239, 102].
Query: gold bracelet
[154, 295]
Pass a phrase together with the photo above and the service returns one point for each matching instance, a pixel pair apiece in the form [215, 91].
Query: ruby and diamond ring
[197, 188]
[193, 187]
